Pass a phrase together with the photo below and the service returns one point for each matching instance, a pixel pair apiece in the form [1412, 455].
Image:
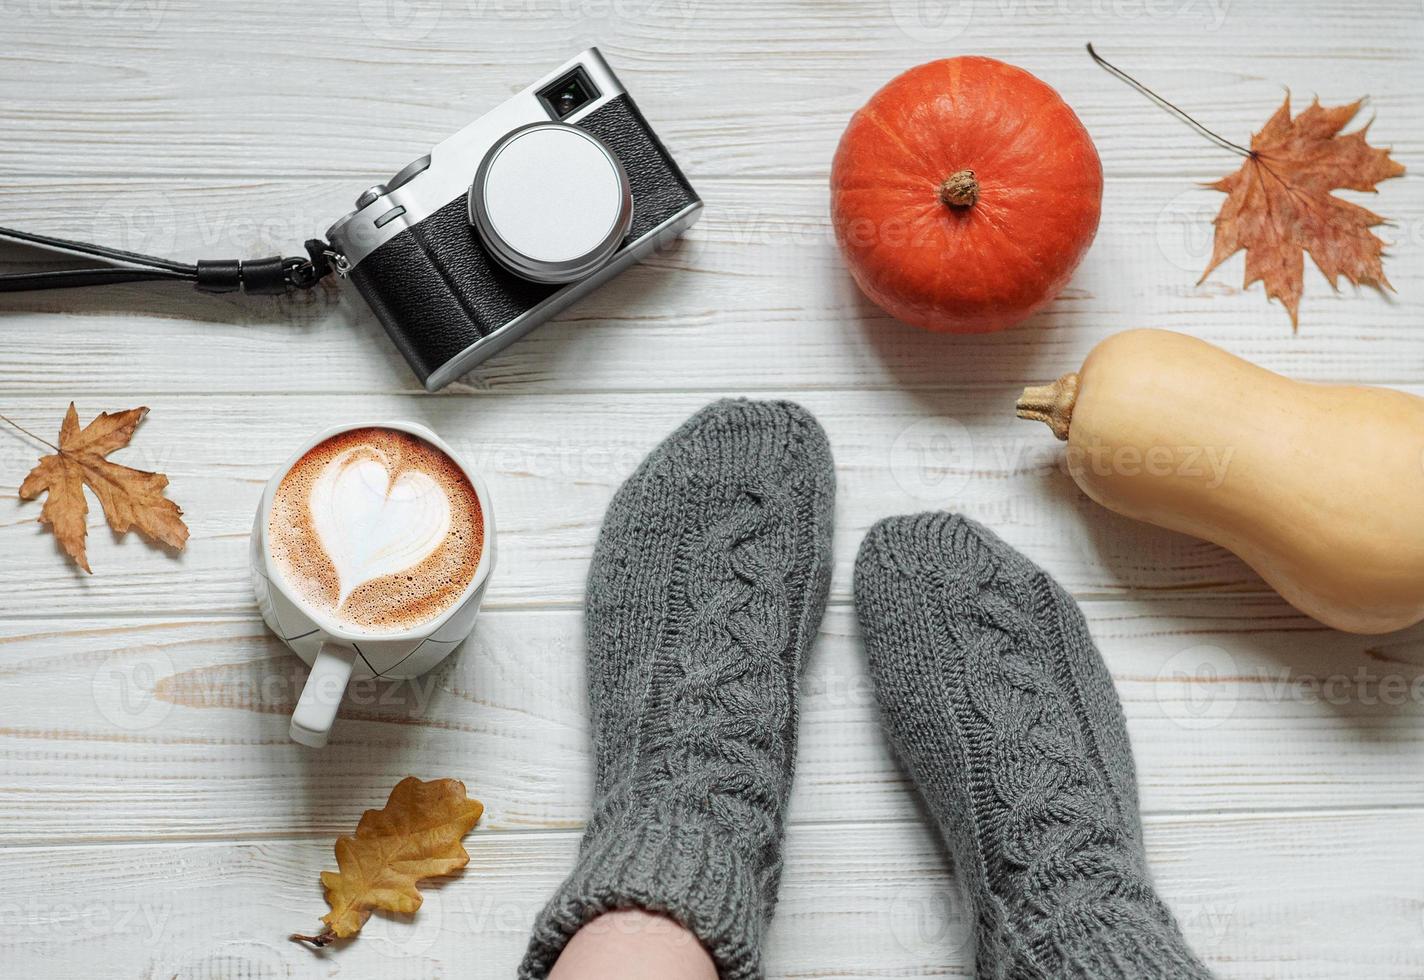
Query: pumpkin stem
[960, 189]
[1051, 404]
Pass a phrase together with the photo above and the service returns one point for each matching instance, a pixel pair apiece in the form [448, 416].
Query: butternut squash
[1319, 488]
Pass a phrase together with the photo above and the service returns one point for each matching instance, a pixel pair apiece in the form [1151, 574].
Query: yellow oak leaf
[130, 498]
[1279, 205]
[417, 835]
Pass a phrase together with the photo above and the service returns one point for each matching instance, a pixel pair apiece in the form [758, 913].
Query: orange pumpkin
[964, 194]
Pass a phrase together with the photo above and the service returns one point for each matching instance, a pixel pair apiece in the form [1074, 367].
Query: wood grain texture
[178, 729]
[154, 819]
[859, 901]
[754, 298]
[739, 87]
[552, 463]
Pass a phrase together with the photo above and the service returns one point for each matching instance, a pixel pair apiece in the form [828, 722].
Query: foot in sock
[706, 590]
[1005, 716]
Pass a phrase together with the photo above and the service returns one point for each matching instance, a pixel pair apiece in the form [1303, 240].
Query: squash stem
[1051, 404]
[960, 190]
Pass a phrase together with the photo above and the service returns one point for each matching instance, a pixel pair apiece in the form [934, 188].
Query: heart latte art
[377, 528]
[371, 526]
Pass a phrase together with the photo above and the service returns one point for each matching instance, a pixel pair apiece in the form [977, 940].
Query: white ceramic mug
[335, 654]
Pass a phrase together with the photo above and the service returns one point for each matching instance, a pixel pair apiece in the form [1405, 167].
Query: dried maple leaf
[130, 498]
[416, 836]
[1279, 205]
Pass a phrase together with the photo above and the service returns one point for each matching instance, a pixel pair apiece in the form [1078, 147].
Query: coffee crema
[378, 529]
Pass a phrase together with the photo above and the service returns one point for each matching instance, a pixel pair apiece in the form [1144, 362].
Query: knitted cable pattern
[998, 703]
[705, 592]
[1065, 853]
[729, 727]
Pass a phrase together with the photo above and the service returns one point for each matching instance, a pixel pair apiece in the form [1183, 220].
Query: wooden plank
[1306, 896]
[179, 728]
[756, 88]
[553, 463]
[755, 298]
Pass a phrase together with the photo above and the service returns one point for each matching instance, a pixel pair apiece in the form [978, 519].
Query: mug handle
[325, 687]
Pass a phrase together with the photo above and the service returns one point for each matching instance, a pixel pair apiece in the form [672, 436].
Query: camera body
[512, 219]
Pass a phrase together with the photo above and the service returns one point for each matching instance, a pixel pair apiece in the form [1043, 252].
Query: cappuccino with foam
[377, 529]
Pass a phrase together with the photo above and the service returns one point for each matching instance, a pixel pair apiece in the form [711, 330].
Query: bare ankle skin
[633, 945]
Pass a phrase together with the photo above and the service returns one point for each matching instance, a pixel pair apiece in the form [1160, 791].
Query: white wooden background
[154, 819]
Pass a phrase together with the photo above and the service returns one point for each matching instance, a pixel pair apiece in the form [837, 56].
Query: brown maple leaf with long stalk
[1279, 205]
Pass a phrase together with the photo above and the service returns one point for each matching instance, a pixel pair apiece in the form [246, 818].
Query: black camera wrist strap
[273, 276]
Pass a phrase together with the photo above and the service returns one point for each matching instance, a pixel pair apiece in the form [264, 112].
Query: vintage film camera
[512, 219]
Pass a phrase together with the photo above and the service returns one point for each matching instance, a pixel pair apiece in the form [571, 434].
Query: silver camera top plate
[431, 182]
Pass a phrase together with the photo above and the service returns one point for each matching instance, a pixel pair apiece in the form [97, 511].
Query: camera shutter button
[370, 196]
[551, 202]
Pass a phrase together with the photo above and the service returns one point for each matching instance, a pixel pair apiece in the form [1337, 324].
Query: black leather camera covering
[437, 290]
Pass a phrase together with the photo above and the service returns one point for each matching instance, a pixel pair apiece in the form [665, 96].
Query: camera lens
[569, 94]
[551, 202]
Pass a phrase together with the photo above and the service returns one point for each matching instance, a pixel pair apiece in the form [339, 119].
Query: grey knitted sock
[1005, 715]
[707, 587]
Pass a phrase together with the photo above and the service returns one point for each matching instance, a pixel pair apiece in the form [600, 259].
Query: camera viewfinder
[569, 94]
